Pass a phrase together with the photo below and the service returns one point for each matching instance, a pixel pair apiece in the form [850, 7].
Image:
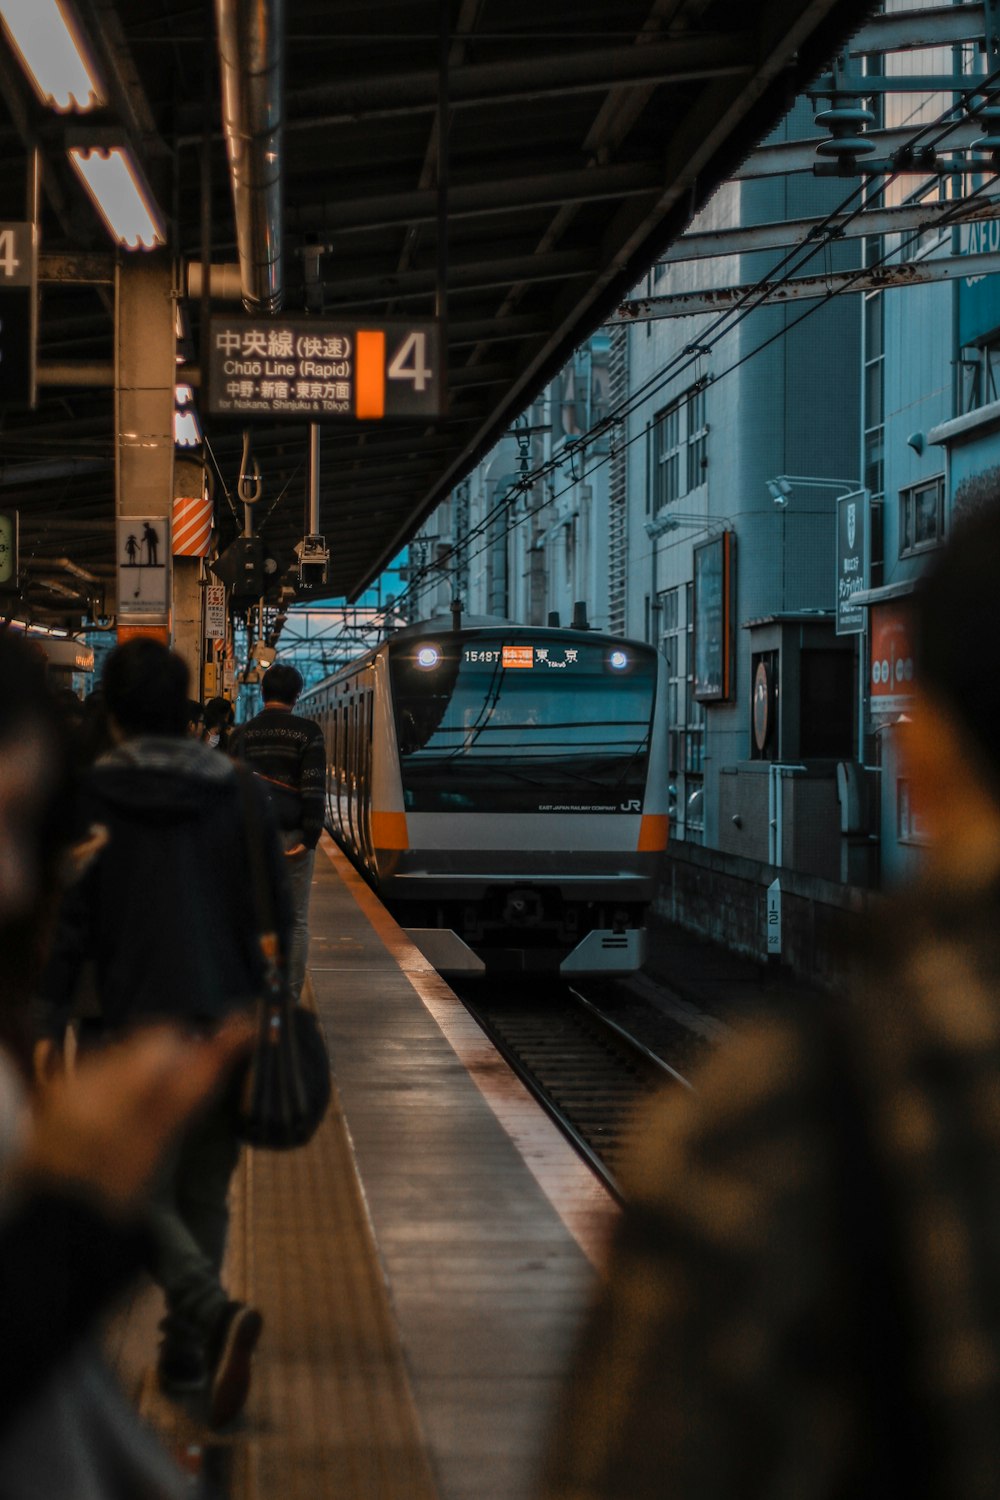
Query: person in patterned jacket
[288, 756]
[803, 1298]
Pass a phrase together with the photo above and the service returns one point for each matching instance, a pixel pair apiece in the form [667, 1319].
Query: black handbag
[287, 1087]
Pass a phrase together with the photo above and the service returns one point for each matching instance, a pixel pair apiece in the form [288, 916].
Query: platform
[422, 1266]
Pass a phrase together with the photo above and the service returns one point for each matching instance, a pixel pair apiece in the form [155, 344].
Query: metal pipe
[251, 59]
[314, 447]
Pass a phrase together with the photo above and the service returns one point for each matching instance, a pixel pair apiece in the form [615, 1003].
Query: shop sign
[891, 668]
[713, 619]
[852, 561]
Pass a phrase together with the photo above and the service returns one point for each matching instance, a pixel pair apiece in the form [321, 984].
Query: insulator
[846, 145]
[845, 117]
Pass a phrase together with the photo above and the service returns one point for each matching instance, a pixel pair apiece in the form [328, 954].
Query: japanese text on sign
[317, 369]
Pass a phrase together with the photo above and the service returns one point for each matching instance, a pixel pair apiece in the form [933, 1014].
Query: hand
[105, 1127]
[295, 851]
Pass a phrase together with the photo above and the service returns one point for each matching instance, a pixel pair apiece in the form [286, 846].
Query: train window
[556, 728]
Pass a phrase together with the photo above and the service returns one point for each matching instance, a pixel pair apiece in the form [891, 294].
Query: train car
[504, 789]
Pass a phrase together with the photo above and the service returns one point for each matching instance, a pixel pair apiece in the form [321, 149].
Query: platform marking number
[414, 344]
[8, 260]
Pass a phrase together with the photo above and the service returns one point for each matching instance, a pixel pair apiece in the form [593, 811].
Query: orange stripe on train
[653, 832]
[389, 830]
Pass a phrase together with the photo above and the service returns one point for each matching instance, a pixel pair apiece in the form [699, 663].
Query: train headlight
[427, 657]
[618, 661]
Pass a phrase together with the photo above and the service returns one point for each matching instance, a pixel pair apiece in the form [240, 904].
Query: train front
[532, 787]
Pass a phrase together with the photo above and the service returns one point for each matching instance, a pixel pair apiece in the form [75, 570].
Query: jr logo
[632, 806]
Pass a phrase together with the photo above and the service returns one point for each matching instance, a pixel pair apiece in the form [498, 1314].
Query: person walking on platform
[172, 936]
[803, 1297]
[287, 753]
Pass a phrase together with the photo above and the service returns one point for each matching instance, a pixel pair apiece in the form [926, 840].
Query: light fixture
[779, 490]
[618, 660]
[427, 657]
[119, 192]
[47, 38]
[187, 428]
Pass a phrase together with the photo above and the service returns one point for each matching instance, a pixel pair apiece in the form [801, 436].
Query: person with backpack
[288, 756]
[173, 937]
[803, 1297]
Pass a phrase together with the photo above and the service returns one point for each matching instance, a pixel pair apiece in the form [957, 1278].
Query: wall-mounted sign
[215, 611]
[322, 370]
[852, 561]
[891, 675]
[763, 705]
[18, 312]
[713, 615]
[8, 551]
[143, 567]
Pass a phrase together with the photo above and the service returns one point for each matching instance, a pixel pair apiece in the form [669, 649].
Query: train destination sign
[323, 369]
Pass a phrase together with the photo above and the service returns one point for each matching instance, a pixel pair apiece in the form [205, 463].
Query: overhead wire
[821, 237]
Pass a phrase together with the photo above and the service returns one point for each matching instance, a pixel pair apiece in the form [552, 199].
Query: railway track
[587, 1072]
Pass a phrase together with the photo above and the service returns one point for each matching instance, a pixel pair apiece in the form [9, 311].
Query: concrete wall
[724, 897]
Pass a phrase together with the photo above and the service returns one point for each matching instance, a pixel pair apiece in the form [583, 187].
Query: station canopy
[579, 139]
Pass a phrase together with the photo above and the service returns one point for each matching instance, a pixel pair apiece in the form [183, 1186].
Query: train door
[365, 720]
[351, 770]
[338, 767]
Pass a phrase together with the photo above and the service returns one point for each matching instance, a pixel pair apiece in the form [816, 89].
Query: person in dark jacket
[166, 913]
[287, 754]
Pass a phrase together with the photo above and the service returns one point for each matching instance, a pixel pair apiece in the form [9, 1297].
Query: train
[504, 790]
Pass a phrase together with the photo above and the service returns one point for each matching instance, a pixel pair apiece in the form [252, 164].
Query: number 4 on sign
[8, 261]
[414, 344]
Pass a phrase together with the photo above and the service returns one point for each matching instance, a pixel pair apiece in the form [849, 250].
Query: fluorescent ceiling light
[47, 38]
[120, 195]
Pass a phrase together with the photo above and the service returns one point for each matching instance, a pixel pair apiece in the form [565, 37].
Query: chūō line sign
[322, 369]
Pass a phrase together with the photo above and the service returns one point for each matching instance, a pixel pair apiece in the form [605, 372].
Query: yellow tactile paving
[330, 1411]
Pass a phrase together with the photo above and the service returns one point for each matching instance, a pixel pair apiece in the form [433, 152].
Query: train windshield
[514, 725]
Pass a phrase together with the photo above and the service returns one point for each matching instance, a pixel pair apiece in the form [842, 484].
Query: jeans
[187, 1220]
[300, 874]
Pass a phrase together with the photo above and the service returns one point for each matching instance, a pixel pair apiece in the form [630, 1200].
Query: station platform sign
[18, 312]
[323, 369]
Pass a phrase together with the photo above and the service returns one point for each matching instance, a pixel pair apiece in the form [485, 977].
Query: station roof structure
[580, 138]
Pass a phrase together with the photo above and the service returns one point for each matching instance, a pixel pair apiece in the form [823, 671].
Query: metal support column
[145, 367]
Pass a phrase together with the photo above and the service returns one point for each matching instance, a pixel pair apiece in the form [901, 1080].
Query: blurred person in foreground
[173, 936]
[77, 1159]
[803, 1297]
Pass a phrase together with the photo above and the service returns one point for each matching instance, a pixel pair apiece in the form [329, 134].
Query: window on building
[921, 517]
[978, 373]
[826, 704]
[697, 438]
[685, 715]
[910, 827]
[874, 456]
[667, 455]
[679, 455]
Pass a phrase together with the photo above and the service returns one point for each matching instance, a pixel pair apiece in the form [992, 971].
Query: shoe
[230, 1352]
[180, 1371]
